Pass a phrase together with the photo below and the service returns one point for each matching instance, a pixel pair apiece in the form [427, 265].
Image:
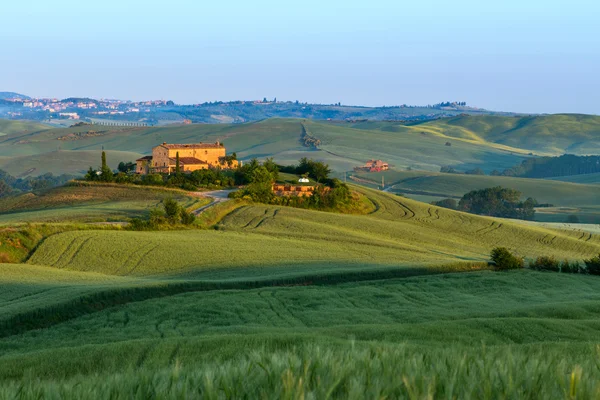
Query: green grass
[558, 193]
[475, 335]
[84, 202]
[75, 162]
[556, 134]
[489, 142]
[343, 147]
[9, 127]
[584, 178]
[280, 302]
[401, 232]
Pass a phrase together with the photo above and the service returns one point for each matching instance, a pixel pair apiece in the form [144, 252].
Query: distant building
[292, 190]
[192, 157]
[373, 166]
[304, 180]
[69, 115]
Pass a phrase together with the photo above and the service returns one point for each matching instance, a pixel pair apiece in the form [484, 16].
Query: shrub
[545, 263]
[187, 218]
[172, 210]
[446, 203]
[571, 267]
[593, 265]
[505, 260]
[572, 219]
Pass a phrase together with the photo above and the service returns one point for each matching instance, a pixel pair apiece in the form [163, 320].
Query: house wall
[161, 155]
[142, 167]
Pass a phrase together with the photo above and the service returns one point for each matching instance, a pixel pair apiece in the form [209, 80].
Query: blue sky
[527, 56]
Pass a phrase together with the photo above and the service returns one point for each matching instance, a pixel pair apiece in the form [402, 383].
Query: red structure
[373, 166]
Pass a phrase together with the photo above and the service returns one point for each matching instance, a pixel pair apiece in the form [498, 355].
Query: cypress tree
[177, 168]
[103, 159]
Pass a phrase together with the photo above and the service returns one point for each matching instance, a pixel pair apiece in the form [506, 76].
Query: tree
[5, 189]
[593, 265]
[475, 171]
[572, 219]
[320, 171]
[106, 174]
[125, 167]
[172, 210]
[177, 165]
[505, 260]
[270, 165]
[446, 203]
[498, 202]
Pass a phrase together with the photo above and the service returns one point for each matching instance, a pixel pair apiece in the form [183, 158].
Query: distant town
[56, 111]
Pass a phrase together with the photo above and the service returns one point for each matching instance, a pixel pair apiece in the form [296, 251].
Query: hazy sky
[526, 55]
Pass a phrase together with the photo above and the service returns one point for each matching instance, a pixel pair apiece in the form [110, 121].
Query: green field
[88, 203]
[261, 301]
[568, 198]
[585, 178]
[489, 142]
[400, 233]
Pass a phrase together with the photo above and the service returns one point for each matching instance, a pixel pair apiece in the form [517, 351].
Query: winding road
[217, 196]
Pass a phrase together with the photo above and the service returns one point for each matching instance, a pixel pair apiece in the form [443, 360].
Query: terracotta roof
[193, 146]
[187, 160]
[146, 158]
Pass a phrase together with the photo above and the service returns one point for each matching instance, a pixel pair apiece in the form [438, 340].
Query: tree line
[494, 202]
[9, 185]
[548, 167]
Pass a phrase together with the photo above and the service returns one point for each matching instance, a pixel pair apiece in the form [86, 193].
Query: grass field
[554, 192]
[556, 134]
[475, 335]
[585, 178]
[278, 302]
[567, 197]
[489, 142]
[88, 203]
[400, 233]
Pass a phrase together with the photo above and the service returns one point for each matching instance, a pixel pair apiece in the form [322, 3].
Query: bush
[572, 219]
[545, 263]
[571, 267]
[187, 218]
[446, 203]
[593, 265]
[505, 260]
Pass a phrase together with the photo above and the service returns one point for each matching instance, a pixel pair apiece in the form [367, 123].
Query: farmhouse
[192, 157]
[373, 166]
[293, 190]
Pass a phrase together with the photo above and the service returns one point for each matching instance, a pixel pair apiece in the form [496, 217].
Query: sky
[523, 56]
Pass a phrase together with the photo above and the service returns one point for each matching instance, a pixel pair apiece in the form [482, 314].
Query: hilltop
[13, 95]
[554, 134]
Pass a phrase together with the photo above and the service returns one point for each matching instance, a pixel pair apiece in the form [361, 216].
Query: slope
[555, 134]
[343, 147]
[456, 185]
[401, 233]
[83, 202]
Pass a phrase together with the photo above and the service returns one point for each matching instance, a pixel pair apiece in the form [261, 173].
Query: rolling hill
[342, 147]
[401, 232]
[542, 134]
[80, 202]
[278, 301]
[442, 185]
[466, 142]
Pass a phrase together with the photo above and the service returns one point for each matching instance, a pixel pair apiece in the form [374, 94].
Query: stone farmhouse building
[192, 157]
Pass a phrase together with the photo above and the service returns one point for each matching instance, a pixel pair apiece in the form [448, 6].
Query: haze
[519, 56]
